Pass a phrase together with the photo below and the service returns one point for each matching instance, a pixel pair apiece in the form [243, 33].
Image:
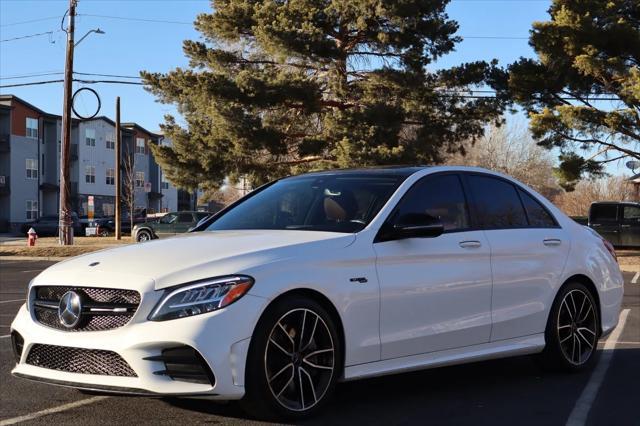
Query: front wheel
[294, 360]
[573, 329]
[143, 236]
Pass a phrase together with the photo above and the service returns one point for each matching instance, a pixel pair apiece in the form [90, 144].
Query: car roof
[616, 203]
[401, 171]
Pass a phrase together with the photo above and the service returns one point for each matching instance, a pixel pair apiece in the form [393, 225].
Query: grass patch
[48, 247]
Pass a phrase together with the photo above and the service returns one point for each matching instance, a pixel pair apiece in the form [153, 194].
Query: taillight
[610, 248]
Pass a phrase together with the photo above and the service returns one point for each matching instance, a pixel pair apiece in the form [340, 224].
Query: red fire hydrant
[32, 237]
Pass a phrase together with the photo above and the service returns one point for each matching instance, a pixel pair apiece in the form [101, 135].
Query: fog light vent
[185, 364]
[17, 344]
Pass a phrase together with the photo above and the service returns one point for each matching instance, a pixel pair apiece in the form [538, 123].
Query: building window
[110, 141]
[111, 177]
[108, 209]
[32, 128]
[139, 179]
[32, 209]
[140, 143]
[90, 137]
[32, 168]
[164, 183]
[90, 174]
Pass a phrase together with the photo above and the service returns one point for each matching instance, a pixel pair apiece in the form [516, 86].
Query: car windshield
[332, 203]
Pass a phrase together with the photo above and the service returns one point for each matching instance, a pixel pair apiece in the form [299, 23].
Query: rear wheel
[573, 329]
[294, 360]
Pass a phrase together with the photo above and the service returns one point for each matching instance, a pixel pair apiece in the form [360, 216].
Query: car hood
[163, 263]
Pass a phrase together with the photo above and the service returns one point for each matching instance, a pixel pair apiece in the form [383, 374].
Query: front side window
[90, 137]
[111, 177]
[631, 214]
[90, 174]
[139, 179]
[140, 146]
[32, 209]
[497, 203]
[604, 213]
[185, 218]
[440, 197]
[32, 128]
[332, 203]
[168, 218]
[538, 216]
[32, 168]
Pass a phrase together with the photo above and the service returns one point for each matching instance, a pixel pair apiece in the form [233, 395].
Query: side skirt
[492, 350]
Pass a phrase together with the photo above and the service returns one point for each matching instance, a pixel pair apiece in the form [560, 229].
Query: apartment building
[30, 165]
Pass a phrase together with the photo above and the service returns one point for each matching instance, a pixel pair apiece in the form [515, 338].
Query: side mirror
[413, 225]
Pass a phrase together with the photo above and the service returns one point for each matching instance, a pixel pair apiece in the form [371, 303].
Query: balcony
[5, 187]
[5, 145]
[48, 187]
[73, 152]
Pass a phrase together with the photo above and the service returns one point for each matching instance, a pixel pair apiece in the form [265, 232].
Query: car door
[435, 292]
[603, 218]
[185, 221]
[630, 225]
[165, 226]
[528, 254]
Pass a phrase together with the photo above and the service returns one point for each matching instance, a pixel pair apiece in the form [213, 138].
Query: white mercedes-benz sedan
[321, 278]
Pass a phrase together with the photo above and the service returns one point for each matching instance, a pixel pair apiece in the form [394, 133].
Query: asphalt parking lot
[509, 391]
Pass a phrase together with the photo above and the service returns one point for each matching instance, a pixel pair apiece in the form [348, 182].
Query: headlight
[201, 297]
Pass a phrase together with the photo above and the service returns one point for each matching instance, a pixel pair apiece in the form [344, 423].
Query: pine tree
[582, 93]
[282, 87]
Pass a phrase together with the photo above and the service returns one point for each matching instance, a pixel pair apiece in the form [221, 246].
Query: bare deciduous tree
[576, 203]
[512, 151]
[129, 184]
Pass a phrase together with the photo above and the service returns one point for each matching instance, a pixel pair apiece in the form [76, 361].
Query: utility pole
[65, 223]
[118, 165]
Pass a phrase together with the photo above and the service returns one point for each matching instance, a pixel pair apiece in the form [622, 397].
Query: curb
[35, 258]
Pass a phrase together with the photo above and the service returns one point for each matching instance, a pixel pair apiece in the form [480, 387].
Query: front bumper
[220, 337]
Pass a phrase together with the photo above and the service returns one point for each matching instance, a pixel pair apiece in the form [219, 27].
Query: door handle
[470, 244]
[595, 225]
[552, 242]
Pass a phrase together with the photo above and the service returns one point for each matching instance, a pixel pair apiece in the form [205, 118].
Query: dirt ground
[629, 259]
[48, 246]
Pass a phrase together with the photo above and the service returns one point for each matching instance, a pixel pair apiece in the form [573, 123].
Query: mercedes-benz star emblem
[70, 309]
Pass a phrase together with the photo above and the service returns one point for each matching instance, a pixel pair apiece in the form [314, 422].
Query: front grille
[103, 308]
[76, 360]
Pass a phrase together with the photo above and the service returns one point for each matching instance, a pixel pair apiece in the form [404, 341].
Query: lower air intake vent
[17, 344]
[184, 364]
[76, 360]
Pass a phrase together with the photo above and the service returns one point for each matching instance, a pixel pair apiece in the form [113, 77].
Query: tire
[573, 330]
[292, 374]
[104, 232]
[143, 235]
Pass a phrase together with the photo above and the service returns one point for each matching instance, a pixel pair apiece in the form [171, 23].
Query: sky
[130, 45]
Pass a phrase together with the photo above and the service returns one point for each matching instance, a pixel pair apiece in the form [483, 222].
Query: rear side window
[538, 216]
[441, 197]
[497, 203]
[604, 213]
[631, 214]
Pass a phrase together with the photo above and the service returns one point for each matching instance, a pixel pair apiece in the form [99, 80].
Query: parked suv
[169, 224]
[618, 222]
[48, 226]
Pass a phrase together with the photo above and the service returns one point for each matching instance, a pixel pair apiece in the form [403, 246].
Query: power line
[50, 33]
[76, 80]
[107, 75]
[126, 18]
[17, 77]
[30, 21]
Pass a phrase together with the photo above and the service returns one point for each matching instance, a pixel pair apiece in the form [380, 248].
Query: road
[507, 391]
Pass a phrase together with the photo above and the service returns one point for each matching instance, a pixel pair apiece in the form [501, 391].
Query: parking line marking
[53, 410]
[634, 280]
[12, 301]
[580, 412]
[6, 335]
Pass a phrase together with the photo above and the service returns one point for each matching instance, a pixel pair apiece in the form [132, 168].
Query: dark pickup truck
[617, 222]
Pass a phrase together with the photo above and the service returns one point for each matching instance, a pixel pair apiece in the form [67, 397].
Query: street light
[97, 31]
